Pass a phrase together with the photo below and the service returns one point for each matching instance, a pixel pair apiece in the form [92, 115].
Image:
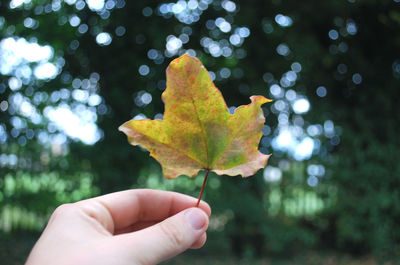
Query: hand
[133, 227]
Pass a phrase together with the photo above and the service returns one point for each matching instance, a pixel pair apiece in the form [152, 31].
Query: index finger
[125, 208]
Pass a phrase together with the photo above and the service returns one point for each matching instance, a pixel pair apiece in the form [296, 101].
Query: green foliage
[19, 194]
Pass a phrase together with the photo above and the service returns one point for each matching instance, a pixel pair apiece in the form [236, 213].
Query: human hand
[133, 227]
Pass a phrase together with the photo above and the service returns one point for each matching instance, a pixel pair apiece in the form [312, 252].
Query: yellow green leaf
[197, 131]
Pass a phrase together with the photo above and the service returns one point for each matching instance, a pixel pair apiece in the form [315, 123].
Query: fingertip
[200, 242]
[197, 218]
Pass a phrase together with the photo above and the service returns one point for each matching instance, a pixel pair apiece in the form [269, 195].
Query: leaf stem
[202, 188]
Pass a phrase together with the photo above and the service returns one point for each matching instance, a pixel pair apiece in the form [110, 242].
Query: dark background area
[72, 71]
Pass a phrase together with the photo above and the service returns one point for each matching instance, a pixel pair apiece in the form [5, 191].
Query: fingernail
[196, 218]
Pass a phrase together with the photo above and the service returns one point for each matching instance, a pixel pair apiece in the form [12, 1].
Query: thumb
[167, 238]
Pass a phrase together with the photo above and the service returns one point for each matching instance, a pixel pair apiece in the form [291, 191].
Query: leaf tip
[263, 163]
[260, 99]
[124, 127]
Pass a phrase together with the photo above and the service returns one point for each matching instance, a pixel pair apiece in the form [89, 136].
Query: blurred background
[72, 71]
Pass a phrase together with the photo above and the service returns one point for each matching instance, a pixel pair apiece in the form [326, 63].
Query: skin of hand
[133, 227]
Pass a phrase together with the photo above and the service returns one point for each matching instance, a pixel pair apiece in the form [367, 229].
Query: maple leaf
[197, 131]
